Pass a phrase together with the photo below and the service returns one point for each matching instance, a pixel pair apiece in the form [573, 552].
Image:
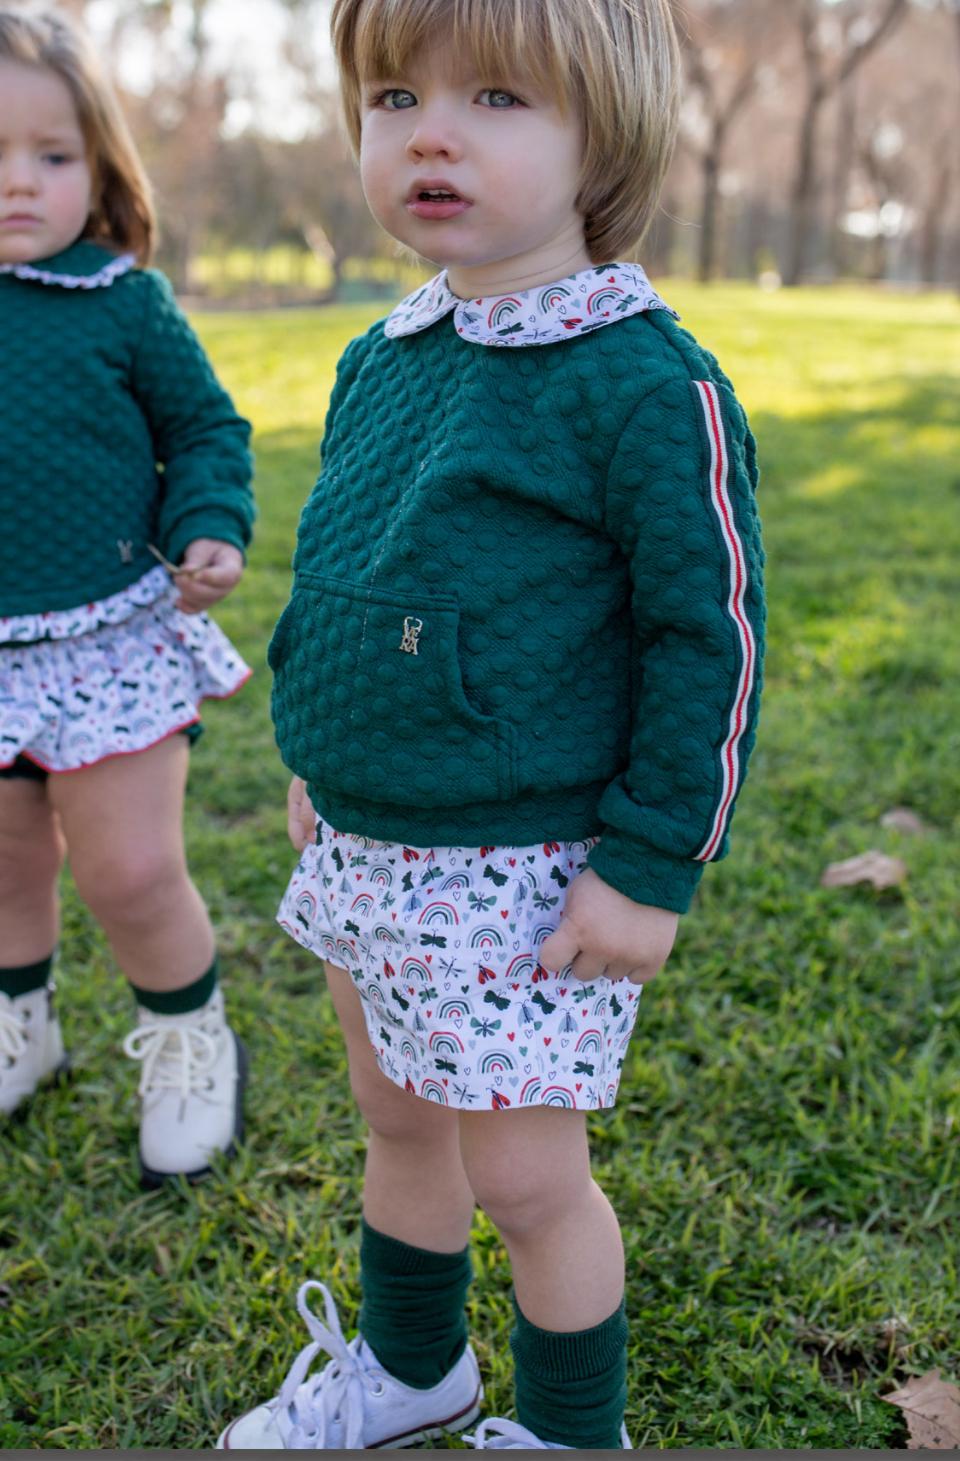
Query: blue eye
[397, 100]
[501, 101]
[57, 158]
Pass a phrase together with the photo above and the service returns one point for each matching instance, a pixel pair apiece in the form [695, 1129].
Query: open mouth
[439, 202]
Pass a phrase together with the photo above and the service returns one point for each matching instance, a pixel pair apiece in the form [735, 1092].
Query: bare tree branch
[822, 83]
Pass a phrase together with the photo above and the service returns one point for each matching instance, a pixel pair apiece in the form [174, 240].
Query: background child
[519, 674]
[117, 445]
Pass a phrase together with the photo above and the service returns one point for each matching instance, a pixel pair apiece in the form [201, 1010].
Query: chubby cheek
[531, 202]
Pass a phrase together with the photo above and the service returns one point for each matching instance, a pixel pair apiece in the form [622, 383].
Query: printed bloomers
[441, 944]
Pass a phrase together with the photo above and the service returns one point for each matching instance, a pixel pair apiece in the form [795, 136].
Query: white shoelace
[13, 1042]
[176, 1057]
[505, 1435]
[313, 1406]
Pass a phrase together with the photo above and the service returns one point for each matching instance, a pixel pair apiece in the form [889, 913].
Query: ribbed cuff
[25, 978]
[393, 1256]
[179, 1001]
[642, 873]
[580, 1355]
[223, 527]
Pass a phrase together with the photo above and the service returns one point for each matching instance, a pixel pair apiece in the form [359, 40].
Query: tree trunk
[709, 208]
[336, 284]
[931, 230]
[819, 90]
[801, 211]
[845, 151]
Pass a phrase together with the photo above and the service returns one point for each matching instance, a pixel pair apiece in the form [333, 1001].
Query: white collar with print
[542, 316]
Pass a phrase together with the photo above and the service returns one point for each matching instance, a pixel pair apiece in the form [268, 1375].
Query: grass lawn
[784, 1155]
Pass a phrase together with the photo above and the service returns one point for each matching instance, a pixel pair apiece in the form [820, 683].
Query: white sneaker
[507, 1435]
[31, 1045]
[191, 1086]
[352, 1404]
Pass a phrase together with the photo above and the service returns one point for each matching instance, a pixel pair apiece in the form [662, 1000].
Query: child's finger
[193, 598]
[295, 831]
[588, 967]
[561, 948]
[300, 818]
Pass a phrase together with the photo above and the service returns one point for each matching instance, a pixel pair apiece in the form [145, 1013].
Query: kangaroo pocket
[369, 699]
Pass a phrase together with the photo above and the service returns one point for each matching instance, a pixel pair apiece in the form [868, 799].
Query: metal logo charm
[125, 549]
[411, 635]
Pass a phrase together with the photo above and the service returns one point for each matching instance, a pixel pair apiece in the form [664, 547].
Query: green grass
[784, 1155]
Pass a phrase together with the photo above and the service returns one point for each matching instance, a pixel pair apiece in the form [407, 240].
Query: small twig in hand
[172, 567]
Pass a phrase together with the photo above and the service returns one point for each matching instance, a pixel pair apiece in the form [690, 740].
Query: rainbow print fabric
[441, 945]
[574, 306]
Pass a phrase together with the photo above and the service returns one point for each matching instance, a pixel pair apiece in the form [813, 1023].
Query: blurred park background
[819, 141]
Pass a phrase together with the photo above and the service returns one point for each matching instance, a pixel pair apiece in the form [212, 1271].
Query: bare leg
[123, 822]
[530, 1171]
[413, 1148]
[31, 852]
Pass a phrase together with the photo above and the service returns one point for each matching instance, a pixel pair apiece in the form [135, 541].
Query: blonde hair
[615, 62]
[122, 210]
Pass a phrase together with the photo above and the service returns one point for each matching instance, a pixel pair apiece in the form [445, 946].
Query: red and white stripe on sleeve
[723, 507]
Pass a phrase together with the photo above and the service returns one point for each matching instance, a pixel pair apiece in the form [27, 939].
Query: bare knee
[525, 1176]
[120, 887]
[513, 1202]
[393, 1114]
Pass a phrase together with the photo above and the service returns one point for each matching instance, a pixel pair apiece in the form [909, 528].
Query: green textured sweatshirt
[527, 602]
[114, 432]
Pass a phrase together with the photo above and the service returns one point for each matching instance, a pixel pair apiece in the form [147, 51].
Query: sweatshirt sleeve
[681, 502]
[200, 443]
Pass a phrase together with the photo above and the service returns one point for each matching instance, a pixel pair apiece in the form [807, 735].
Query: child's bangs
[509, 40]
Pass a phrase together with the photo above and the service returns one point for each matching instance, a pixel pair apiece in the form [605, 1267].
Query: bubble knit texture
[527, 601]
[114, 433]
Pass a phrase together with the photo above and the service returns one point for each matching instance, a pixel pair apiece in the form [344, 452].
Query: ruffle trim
[70, 703]
[102, 279]
[70, 623]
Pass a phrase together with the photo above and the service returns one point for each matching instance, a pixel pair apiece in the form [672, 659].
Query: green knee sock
[25, 978]
[572, 1388]
[179, 1001]
[412, 1312]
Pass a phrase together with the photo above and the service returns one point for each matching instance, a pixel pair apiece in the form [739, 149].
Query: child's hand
[604, 933]
[301, 818]
[214, 569]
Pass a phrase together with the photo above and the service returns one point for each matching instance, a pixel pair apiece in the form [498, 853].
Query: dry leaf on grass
[870, 867]
[901, 819]
[932, 1409]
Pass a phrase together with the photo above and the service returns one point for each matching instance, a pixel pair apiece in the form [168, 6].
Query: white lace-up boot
[507, 1435]
[31, 1046]
[191, 1087]
[352, 1404]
